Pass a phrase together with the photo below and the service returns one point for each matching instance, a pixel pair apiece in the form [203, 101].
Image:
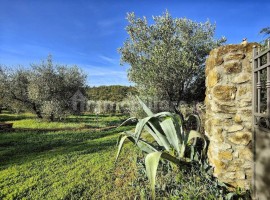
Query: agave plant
[171, 140]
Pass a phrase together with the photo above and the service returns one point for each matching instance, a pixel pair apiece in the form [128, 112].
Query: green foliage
[171, 141]
[114, 93]
[265, 42]
[265, 31]
[167, 57]
[44, 89]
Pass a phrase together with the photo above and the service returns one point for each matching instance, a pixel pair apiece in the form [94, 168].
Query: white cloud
[99, 75]
[110, 60]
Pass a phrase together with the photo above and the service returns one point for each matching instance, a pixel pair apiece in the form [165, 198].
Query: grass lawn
[74, 159]
[37, 161]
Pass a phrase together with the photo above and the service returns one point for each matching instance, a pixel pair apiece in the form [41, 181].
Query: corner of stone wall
[228, 122]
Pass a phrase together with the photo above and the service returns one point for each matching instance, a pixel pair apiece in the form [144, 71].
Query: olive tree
[265, 43]
[265, 31]
[45, 88]
[167, 57]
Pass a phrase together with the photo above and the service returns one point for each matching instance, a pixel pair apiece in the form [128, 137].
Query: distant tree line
[113, 93]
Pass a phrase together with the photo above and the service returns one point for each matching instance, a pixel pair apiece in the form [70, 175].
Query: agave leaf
[182, 151]
[143, 145]
[163, 114]
[140, 125]
[194, 134]
[145, 108]
[230, 195]
[169, 129]
[155, 126]
[146, 147]
[128, 120]
[151, 164]
[121, 140]
[178, 127]
[153, 134]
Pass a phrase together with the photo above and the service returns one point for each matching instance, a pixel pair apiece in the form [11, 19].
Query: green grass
[74, 159]
[68, 164]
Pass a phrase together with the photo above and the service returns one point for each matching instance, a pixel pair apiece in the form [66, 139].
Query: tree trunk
[38, 113]
[51, 117]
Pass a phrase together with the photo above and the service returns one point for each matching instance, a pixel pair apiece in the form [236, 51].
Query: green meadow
[73, 159]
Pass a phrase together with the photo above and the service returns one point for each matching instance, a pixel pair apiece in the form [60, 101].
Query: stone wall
[229, 113]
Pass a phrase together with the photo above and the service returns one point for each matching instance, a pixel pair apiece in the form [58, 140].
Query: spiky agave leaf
[171, 133]
[120, 142]
[153, 134]
[178, 127]
[196, 134]
[143, 145]
[151, 164]
[192, 134]
[198, 122]
[156, 129]
[145, 108]
[128, 120]
[154, 120]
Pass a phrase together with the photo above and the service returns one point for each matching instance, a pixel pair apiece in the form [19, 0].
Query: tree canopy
[167, 57]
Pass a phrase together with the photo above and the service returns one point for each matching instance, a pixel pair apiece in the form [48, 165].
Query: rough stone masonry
[229, 113]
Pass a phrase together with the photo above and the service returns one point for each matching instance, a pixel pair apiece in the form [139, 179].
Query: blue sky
[87, 33]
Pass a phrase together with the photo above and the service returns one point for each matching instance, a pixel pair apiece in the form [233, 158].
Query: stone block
[240, 137]
[211, 61]
[225, 155]
[237, 118]
[212, 78]
[240, 183]
[218, 165]
[245, 91]
[245, 153]
[224, 92]
[247, 165]
[229, 175]
[233, 67]
[217, 135]
[240, 175]
[234, 56]
[242, 78]
[249, 174]
[245, 103]
[235, 128]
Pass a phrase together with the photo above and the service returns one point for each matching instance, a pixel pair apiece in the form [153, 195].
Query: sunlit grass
[66, 164]
[29, 121]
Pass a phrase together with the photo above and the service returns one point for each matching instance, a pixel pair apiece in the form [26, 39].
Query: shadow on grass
[18, 147]
[97, 118]
[7, 117]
